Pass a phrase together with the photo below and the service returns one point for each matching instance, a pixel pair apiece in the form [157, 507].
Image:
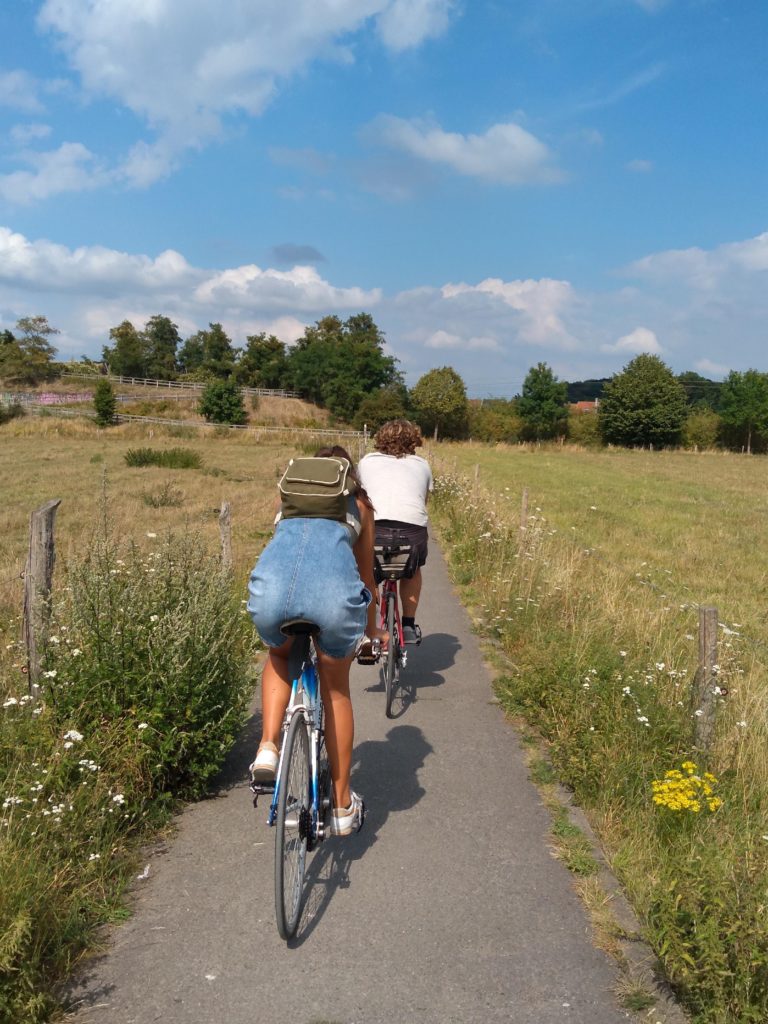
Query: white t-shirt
[398, 488]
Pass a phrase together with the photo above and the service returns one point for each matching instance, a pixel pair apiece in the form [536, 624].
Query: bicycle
[391, 563]
[301, 803]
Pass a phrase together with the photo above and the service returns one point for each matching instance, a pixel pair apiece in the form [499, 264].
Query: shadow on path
[386, 773]
[424, 670]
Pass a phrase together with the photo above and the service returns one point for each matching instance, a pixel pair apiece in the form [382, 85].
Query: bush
[167, 497]
[701, 429]
[10, 412]
[222, 402]
[104, 402]
[584, 429]
[170, 458]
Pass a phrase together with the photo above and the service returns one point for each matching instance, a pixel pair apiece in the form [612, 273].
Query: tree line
[342, 365]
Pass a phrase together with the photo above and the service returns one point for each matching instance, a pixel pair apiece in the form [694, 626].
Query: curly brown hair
[398, 438]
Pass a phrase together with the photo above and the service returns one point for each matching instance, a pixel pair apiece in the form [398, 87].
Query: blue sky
[498, 182]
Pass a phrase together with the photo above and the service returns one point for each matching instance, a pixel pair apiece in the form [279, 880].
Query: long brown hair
[337, 452]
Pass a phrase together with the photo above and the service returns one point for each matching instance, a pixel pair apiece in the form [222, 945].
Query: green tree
[263, 362]
[543, 405]
[28, 357]
[191, 354]
[209, 352]
[127, 357]
[337, 364]
[643, 405]
[161, 340]
[440, 405]
[700, 391]
[222, 402]
[744, 406]
[104, 402]
[380, 406]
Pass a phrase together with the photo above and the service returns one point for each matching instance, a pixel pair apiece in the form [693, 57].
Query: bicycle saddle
[299, 627]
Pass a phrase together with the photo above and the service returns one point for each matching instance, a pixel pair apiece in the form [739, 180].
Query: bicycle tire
[392, 664]
[293, 826]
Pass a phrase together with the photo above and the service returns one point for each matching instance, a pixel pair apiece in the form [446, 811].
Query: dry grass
[73, 460]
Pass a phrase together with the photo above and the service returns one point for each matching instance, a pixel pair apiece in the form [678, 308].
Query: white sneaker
[346, 820]
[264, 766]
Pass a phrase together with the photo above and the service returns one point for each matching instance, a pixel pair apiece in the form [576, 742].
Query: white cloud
[446, 340]
[631, 84]
[642, 339]
[407, 23]
[506, 154]
[19, 91]
[640, 166]
[183, 65]
[25, 133]
[540, 304]
[704, 269]
[91, 270]
[70, 168]
[706, 366]
[301, 288]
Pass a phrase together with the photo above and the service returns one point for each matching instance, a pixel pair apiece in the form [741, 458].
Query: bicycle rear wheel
[293, 827]
[392, 664]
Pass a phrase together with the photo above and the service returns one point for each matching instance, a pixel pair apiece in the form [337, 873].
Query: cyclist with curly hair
[399, 482]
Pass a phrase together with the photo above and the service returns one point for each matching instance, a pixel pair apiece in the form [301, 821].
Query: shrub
[701, 429]
[170, 458]
[104, 402]
[584, 429]
[222, 402]
[167, 497]
[10, 412]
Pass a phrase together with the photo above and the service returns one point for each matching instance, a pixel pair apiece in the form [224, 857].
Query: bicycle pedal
[370, 652]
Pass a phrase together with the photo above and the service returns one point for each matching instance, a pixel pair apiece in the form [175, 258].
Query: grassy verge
[602, 650]
[146, 681]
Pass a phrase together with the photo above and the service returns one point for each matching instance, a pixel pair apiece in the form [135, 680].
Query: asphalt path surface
[447, 907]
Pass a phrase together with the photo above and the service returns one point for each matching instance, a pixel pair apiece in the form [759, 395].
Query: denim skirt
[308, 571]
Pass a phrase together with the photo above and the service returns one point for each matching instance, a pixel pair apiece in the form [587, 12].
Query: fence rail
[187, 385]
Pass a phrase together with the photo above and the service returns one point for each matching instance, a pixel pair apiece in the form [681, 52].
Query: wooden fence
[188, 385]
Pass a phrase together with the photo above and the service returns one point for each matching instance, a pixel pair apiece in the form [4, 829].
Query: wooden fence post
[38, 577]
[705, 681]
[225, 526]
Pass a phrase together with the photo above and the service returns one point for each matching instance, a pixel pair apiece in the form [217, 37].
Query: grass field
[695, 522]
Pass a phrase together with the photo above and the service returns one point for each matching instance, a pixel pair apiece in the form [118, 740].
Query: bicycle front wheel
[392, 664]
[293, 827]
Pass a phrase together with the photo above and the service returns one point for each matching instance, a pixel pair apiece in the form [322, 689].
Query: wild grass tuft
[169, 458]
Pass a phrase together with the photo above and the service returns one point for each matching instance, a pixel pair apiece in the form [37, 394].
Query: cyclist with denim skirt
[399, 482]
[320, 570]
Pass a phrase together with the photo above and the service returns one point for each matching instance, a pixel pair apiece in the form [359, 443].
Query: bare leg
[339, 722]
[410, 592]
[275, 693]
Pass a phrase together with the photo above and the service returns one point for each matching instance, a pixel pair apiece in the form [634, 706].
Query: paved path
[447, 907]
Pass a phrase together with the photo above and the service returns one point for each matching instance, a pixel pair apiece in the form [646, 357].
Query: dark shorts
[389, 531]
